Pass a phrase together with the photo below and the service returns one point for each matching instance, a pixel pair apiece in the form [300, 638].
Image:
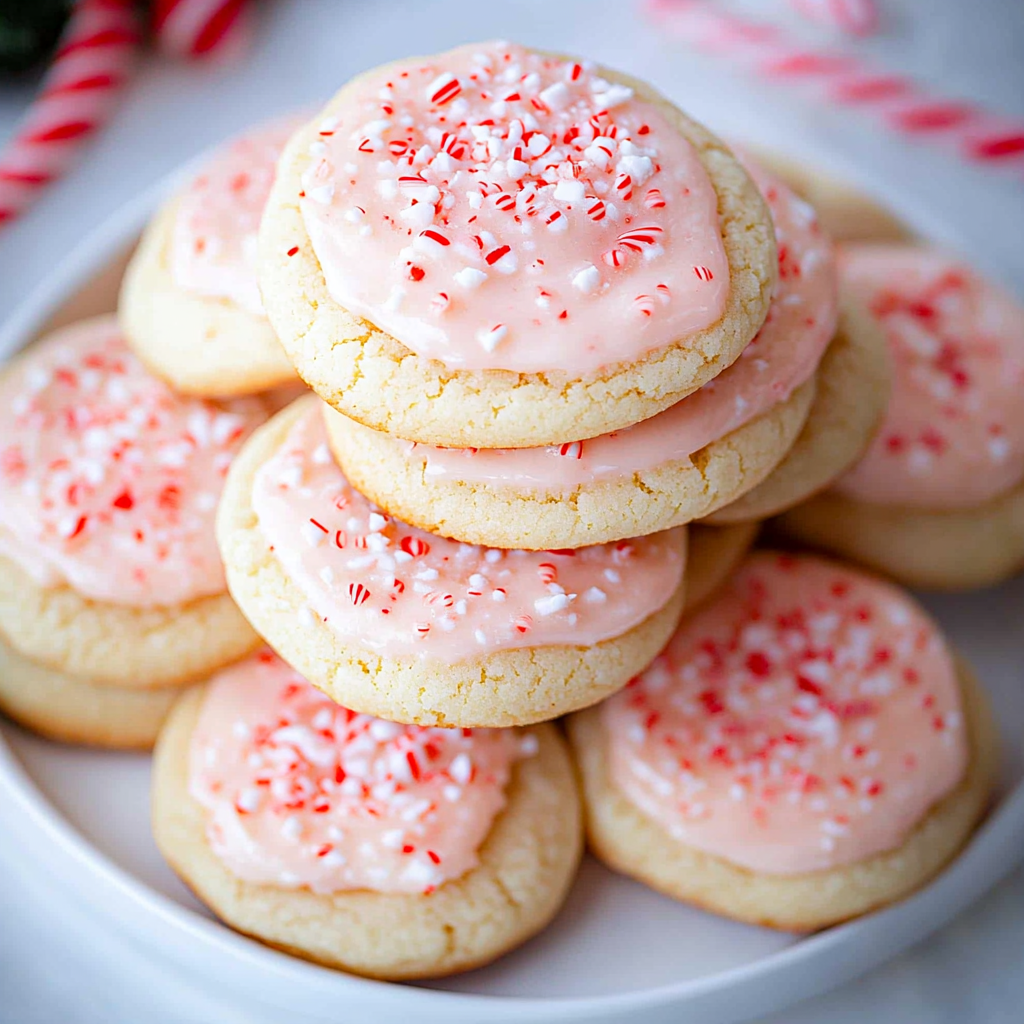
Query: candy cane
[93, 60]
[900, 103]
[195, 28]
[853, 17]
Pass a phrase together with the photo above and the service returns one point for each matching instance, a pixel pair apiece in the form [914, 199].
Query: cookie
[846, 212]
[190, 306]
[109, 481]
[392, 621]
[950, 451]
[701, 454]
[851, 396]
[712, 554]
[390, 851]
[73, 710]
[961, 549]
[495, 247]
[806, 750]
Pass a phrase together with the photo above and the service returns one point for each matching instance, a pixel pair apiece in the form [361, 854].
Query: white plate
[615, 951]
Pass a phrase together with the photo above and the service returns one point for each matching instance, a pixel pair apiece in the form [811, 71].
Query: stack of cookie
[548, 322]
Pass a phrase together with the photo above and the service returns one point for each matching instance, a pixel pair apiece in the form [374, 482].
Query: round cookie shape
[392, 621]
[385, 850]
[109, 479]
[612, 486]
[953, 436]
[190, 304]
[952, 550]
[74, 710]
[802, 752]
[850, 399]
[802, 678]
[300, 792]
[503, 295]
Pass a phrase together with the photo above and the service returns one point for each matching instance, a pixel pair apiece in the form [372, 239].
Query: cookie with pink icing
[517, 248]
[805, 749]
[936, 498]
[702, 453]
[330, 832]
[393, 621]
[109, 484]
[190, 304]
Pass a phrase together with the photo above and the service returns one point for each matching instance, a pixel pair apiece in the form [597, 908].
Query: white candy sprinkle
[550, 604]
[587, 279]
[569, 190]
[491, 338]
[377, 522]
[312, 535]
[327, 575]
[306, 617]
[461, 768]
[614, 96]
[322, 193]
[555, 97]
[469, 277]
[595, 595]
[321, 455]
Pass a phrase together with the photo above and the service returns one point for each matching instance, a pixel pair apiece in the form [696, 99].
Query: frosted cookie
[712, 555]
[805, 750]
[392, 621]
[846, 212]
[386, 850]
[704, 452]
[190, 306]
[851, 395]
[937, 501]
[498, 247]
[73, 710]
[109, 482]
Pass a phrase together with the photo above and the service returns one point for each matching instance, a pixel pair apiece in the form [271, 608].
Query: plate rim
[994, 850]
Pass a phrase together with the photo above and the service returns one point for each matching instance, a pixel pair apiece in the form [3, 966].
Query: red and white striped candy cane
[902, 104]
[93, 59]
[852, 17]
[195, 28]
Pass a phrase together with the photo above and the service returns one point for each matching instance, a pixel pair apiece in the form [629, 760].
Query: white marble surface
[57, 967]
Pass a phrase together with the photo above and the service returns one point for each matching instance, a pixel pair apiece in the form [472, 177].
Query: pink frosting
[786, 351]
[954, 433]
[301, 792]
[494, 208]
[400, 591]
[109, 481]
[213, 245]
[808, 718]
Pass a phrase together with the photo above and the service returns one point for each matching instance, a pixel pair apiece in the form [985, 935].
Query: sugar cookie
[190, 306]
[806, 750]
[391, 851]
[950, 452]
[73, 710]
[399, 623]
[109, 481]
[700, 455]
[850, 399]
[497, 247]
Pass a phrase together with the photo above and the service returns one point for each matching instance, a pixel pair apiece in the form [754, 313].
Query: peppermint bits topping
[806, 718]
[496, 172]
[399, 592]
[334, 800]
[109, 481]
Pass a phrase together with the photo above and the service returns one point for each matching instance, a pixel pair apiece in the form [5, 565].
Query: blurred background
[920, 103]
